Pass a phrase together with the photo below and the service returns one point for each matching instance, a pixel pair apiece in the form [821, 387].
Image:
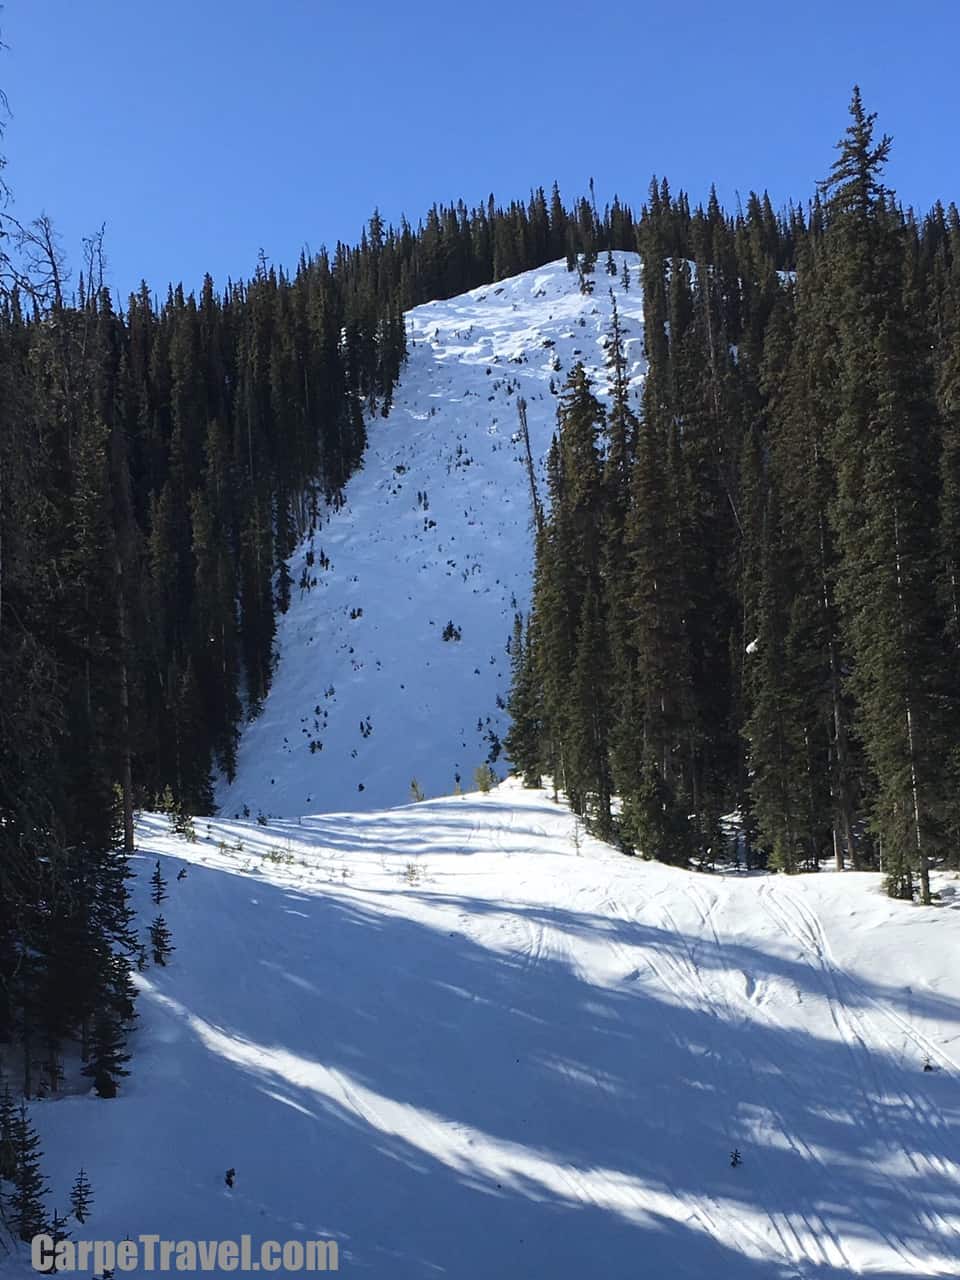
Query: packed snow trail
[436, 530]
[453, 1041]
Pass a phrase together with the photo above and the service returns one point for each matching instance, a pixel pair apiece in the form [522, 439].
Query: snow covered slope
[464, 1043]
[368, 694]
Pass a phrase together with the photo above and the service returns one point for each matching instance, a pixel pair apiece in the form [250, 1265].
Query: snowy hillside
[461, 1038]
[463, 1041]
[436, 530]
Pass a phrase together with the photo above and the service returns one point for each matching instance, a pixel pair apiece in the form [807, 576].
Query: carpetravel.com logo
[150, 1253]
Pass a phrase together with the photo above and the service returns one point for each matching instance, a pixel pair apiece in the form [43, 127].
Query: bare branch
[44, 268]
[94, 261]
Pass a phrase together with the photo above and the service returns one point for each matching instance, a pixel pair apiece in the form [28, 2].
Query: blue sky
[203, 130]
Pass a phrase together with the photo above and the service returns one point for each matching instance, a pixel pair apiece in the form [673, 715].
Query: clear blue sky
[201, 130]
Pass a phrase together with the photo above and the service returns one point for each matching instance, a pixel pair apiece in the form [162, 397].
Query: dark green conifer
[81, 1197]
[27, 1214]
[160, 940]
[108, 1056]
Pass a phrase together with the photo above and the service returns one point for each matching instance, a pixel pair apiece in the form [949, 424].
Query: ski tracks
[798, 1239]
[897, 1115]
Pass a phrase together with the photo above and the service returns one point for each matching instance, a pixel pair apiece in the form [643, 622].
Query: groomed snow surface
[462, 1046]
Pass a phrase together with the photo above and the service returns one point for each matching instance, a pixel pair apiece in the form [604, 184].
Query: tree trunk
[126, 778]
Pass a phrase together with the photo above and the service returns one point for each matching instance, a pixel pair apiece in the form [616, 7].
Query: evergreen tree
[588, 759]
[158, 885]
[81, 1197]
[777, 729]
[569, 562]
[8, 1120]
[59, 1231]
[28, 1216]
[160, 940]
[522, 741]
[107, 1055]
[882, 450]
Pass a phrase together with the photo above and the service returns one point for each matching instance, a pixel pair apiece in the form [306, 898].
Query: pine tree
[653, 823]
[158, 885]
[81, 1197]
[8, 1119]
[28, 1215]
[107, 1054]
[160, 940]
[777, 729]
[59, 1231]
[522, 741]
[799, 384]
[122, 992]
[650, 740]
[569, 559]
[948, 525]
[882, 447]
[588, 760]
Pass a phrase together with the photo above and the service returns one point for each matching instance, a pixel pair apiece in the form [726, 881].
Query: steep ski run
[436, 530]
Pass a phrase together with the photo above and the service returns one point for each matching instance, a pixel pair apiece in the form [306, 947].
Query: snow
[404, 702]
[463, 1042]
[461, 1038]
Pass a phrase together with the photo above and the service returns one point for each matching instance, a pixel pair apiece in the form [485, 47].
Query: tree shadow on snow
[446, 1108]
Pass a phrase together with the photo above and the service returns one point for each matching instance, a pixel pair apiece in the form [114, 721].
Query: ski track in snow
[455, 1036]
[445, 1037]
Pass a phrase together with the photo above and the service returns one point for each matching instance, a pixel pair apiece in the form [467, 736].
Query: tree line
[159, 461]
[746, 594]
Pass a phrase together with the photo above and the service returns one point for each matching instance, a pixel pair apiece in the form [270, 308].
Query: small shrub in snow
[183, 825]
[484, 778]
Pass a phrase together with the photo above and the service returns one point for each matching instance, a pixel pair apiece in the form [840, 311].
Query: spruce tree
[160, 940]
[8, 1119]
[108, 1058]
[882, 448]
[158, 886]
[28, 1215]
[522, 740]
[777, 727]
[81, 1197]
[59, 1231]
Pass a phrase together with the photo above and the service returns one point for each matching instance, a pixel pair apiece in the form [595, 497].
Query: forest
[744, 635]
[746, 593]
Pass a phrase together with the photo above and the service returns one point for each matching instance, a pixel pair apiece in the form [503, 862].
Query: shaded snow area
[460, 1038]
[368, 694]
[464, 1042]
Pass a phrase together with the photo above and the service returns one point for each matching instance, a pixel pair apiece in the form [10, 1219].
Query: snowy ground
[456, 1037]
[367, 694]
[462, 1047]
